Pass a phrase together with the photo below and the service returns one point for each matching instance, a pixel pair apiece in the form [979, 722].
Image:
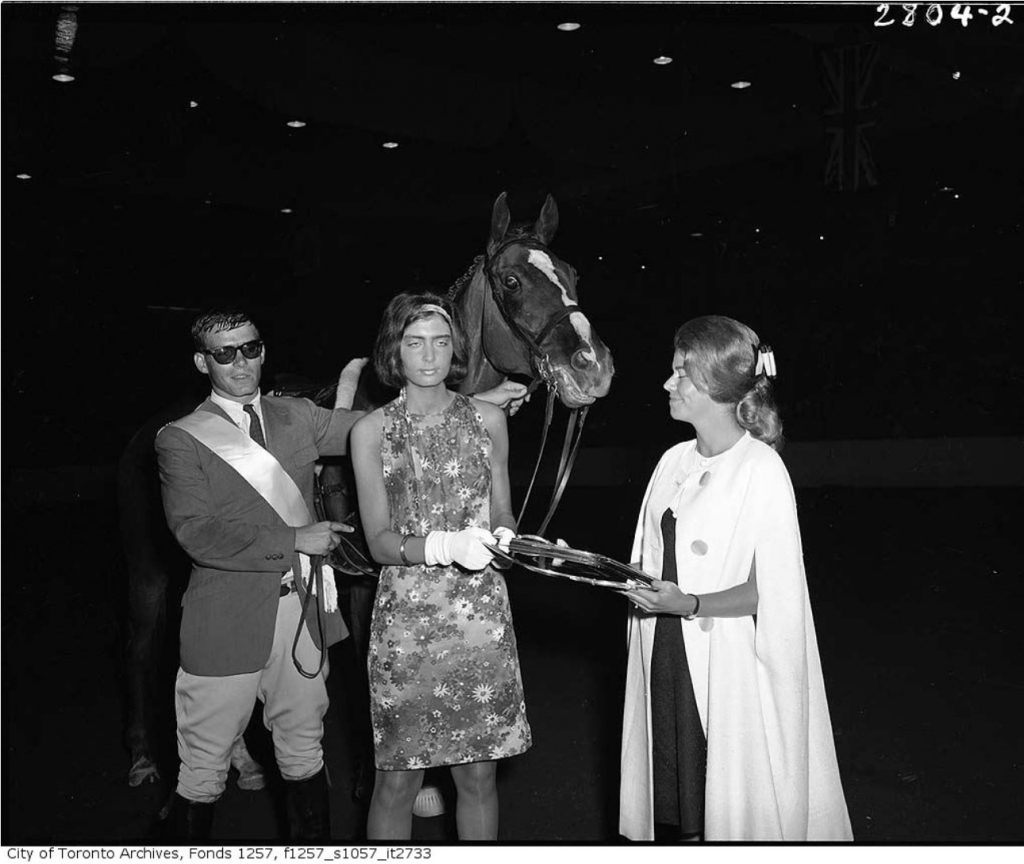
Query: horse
[519, 307]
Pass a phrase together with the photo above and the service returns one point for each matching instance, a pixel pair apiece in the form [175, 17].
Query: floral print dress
[445, 686]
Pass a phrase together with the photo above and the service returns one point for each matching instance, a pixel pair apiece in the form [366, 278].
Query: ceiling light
[64, 43]
[296, 124]
[956, 194]
[286, 209]
[24, 176]
[740, 85]
[946, 189]
[192, 103]
[696, 234]
[600, 257]
[389, 145]
[662, 60]
[568, 26]
[956, 75]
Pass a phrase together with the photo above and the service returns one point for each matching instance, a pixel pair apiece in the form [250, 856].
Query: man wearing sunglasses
[237, 482]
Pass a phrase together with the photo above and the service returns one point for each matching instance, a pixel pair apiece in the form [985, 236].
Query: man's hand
[508, 394]
[320, 538]
[348, 380]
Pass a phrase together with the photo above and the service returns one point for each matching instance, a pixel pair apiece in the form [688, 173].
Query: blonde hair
[720, 356]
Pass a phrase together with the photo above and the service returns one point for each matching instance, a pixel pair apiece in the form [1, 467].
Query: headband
[433, 307]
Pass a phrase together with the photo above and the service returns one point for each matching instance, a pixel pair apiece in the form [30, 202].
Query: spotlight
[568, 26]
[192, 103]
[956, 75]
[24, 176]
[741, 85]
[389, 145]
[64, 43]
[296, 124]
[662, 60]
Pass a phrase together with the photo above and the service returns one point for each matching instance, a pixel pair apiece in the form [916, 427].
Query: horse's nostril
[581, 361]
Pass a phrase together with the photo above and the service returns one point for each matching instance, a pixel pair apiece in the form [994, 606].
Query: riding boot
[189, 820]
[309, 817]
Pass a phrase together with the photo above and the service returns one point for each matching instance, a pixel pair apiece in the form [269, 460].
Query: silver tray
[578, 565]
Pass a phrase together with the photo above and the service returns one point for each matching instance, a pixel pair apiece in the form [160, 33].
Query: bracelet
[401, 550]
[696, 608]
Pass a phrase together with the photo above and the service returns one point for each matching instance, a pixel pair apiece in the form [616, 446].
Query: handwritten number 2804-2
[961, 12]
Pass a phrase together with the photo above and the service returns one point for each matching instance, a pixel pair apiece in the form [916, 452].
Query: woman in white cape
[726, 732]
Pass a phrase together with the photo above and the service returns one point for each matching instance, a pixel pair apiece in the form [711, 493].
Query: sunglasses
[225, 355]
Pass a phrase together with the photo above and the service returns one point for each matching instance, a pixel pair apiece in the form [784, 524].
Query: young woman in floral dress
[432, 475]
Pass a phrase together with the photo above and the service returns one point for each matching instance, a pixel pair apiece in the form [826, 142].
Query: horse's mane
[516, 232]
[462, 283]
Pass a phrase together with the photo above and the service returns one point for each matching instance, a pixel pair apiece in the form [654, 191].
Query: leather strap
[544, 373]
[565, 468]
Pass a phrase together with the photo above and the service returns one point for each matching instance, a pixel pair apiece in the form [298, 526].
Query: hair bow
[765, 361]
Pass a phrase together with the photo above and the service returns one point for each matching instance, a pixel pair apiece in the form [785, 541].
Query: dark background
[899, 323]
[892, 309]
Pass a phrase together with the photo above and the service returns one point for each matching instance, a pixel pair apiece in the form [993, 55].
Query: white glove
[504, 536]
[465, 547]
[558, 562]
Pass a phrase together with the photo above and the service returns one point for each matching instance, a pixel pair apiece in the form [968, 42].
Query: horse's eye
[511, 282]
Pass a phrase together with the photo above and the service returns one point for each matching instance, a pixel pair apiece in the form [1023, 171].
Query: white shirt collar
[236, 410]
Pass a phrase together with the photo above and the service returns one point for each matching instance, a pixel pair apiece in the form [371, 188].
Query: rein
[570, 444]
[315, 583]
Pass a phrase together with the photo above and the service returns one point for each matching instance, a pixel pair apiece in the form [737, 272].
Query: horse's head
[535, 293]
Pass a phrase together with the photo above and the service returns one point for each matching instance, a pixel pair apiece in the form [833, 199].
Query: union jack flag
[847, 75]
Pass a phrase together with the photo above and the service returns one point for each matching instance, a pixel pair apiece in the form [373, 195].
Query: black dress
[678, 743]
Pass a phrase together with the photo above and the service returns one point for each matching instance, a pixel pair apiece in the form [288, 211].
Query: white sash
[258, 467]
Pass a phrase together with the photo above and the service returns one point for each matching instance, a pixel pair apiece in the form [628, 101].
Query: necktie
[255, 427]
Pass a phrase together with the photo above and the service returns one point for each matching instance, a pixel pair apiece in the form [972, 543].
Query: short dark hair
[402, 311]
[218, 319]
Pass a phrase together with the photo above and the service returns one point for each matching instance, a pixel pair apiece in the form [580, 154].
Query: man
[237, 483]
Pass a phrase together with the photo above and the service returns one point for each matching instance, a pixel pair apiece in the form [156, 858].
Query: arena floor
[915, 592]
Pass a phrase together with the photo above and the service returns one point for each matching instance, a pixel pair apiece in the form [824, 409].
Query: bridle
[531, 341]
[544, 372]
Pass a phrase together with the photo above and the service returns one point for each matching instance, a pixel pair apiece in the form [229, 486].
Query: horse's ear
[499, 221]
[547, 222]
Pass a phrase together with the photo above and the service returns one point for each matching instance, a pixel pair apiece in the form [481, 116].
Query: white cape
[771, 764]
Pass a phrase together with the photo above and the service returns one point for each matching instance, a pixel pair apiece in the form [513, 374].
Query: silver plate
[576, 565]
